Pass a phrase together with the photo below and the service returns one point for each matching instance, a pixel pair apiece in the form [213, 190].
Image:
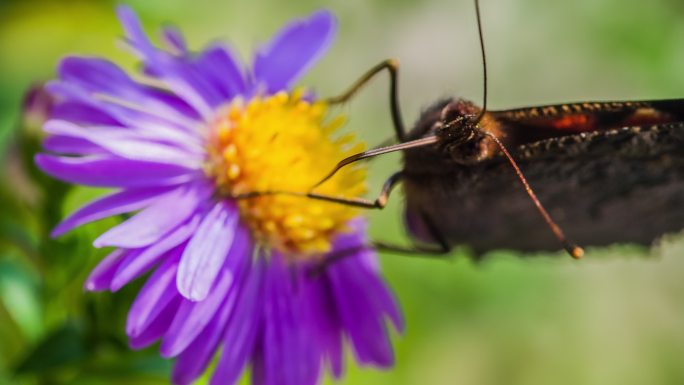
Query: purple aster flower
[180, 143]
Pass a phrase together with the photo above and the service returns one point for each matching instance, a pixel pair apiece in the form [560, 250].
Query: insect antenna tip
[575, 251]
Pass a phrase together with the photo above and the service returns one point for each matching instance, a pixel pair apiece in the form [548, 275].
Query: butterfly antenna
[484, 60]
[572, 249]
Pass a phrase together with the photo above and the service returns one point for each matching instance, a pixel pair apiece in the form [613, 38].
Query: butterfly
[608, 172]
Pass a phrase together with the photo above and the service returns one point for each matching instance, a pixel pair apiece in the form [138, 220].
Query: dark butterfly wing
[527, 125]
[621, 185]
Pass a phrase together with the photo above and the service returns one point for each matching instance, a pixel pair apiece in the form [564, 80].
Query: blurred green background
[616, 317]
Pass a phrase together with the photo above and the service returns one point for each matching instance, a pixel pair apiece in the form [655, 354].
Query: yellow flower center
[285, 143]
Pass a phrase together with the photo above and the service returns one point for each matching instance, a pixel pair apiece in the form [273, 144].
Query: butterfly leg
[415, 250]
[378, 203]
[441, 248]
[392, 66]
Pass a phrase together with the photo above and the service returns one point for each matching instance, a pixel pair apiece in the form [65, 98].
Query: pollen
[284, 144]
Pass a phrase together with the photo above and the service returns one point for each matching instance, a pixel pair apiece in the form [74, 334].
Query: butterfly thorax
[461, 131]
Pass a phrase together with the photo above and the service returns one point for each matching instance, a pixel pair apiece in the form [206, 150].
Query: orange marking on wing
[648, 116]
[577, 123]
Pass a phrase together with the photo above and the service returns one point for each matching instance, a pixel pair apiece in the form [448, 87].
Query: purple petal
[258, 373]
[156, 220]
[324, 321]
[101, 78]
[360, 315]
[206, 252]
[130, 115]
[176, 103]
[362, 266]
[71, 146]
[133, 28]
[177, 74]
[193, 317]
[195, 359]
[137, 264]
[96, 75]
[81, 113]
[158, 292]
[107, 171]
[101, 276]
[221, 65]
[157, 328]
[118, 203]
[174, 40]
[126, 144]
[294, 51]
[242, 327]
[290, 355]
[384, 299]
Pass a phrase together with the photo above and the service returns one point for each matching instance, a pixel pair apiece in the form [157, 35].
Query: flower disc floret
[284, 143]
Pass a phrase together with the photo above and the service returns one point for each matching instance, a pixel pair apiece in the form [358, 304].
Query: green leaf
[13, 342]
[64, 347]
[19, 296]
